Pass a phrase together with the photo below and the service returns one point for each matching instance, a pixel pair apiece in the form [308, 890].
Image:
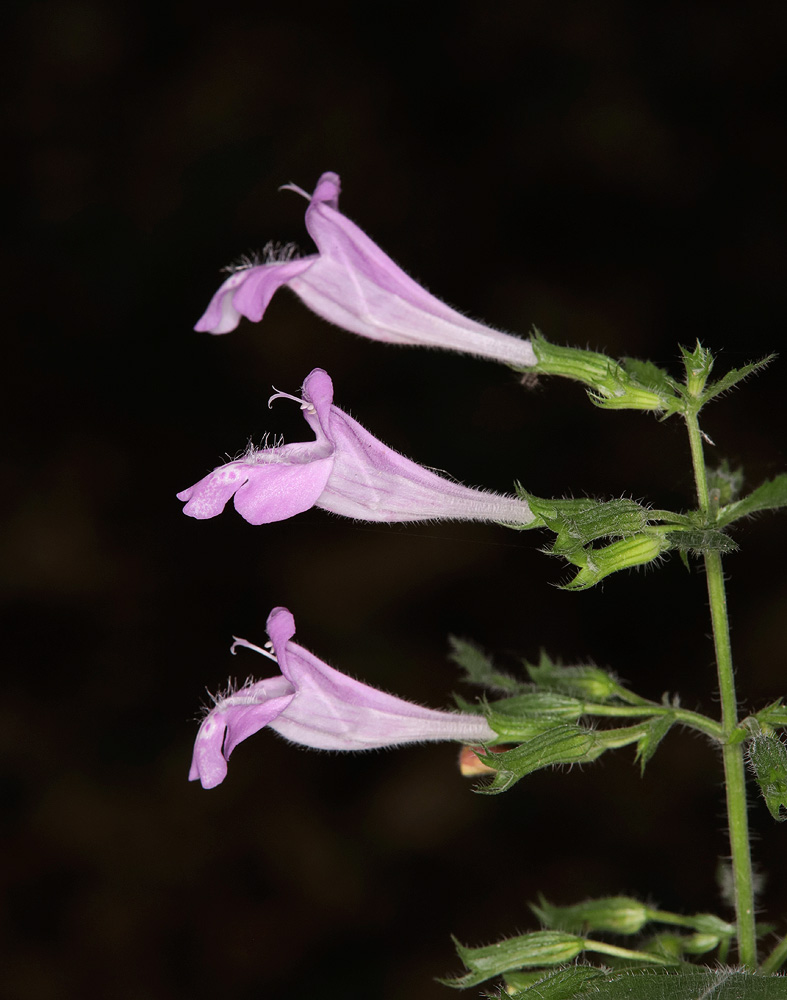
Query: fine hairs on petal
[279, 253]
[244, 262]
[268, 443]
[270, 446]
[232, 688]
[272, 253]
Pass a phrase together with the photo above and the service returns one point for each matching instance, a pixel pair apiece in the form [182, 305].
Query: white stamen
[250, 645]
[303, 403]
[297, 190]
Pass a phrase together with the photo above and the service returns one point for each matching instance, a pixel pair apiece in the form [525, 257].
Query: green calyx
[630, 384]
[580, 526]
[583, 681]
[602, 537]
[611, 385]
[538, 949]
[625, 915]
[597, 563]
[768, 759]
[558, 742]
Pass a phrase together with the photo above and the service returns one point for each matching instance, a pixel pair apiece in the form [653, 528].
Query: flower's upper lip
[280, 628]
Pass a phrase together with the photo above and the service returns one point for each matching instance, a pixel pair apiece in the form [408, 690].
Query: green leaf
[560, 985]
[479, 668]
[657, 729]
[773, 715]
[683, 984]
[517, 981]
[733, 376]
[471, 707]
[725, 482]
[769, 496]
[776, 958]
[768, 758]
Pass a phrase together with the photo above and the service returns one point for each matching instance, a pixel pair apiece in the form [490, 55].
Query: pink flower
[352, 283]
[312, 704]
[344, 470]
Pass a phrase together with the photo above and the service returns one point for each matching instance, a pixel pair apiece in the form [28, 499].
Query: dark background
[610, 173]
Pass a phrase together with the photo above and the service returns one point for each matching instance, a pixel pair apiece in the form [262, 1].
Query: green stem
[776, 959]
[733, 767]
[692, 719]
[680, 920]
[734, 773]
[698, 461]
[602, 948]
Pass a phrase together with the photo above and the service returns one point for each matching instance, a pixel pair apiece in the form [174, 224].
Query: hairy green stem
[698, 461]
[733, 768]
[734, 773]
[680, 920]
[682, 716]
[776, 959]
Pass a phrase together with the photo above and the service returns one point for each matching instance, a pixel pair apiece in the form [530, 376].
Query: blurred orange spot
[470, 763]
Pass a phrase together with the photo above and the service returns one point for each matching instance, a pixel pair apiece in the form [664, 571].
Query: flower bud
[773, 715]
[617, 914]
[698, 364]
[638, 550]
[526, 951]
[699, 944]
[768, 758]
